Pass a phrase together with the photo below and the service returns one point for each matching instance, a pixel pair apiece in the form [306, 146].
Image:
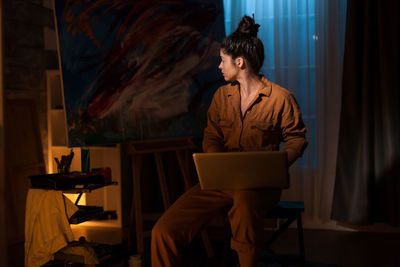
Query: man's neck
[249, 84]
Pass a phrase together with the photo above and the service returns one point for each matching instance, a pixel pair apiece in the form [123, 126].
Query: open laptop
[242, 170]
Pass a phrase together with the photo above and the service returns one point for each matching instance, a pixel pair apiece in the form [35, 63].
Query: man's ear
[239, 61]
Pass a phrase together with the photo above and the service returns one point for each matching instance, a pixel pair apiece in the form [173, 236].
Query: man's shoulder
[229, 86]
[227, 89]
[279, 91]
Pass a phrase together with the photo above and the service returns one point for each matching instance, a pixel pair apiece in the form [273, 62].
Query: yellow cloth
[47, 229]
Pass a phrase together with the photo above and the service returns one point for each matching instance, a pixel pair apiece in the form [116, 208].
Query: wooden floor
[345, 248]
[337, 248]
[341, 248]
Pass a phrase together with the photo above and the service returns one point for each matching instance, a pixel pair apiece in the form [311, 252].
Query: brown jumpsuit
[271, 118]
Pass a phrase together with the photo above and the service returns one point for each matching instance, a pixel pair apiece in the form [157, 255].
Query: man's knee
[167, 229]
[161, 229]
[244, 206]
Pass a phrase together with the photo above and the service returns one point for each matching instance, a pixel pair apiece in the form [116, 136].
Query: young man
[249, 114]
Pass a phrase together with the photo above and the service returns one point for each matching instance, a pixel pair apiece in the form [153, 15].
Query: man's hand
[213, 149]
[291, 156]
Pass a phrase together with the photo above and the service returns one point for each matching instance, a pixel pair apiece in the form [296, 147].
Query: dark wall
[29, 50]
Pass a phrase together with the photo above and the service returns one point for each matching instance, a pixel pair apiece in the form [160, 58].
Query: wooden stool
[286, 210]
[290, 211]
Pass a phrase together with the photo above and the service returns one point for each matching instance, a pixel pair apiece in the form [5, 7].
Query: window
[288, 34]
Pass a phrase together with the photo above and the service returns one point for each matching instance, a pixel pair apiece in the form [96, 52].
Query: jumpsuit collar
[265, 89]
[234, 94]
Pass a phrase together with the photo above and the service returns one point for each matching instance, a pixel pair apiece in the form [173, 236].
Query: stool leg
[278, 232]
[226, 258]
[301, 237]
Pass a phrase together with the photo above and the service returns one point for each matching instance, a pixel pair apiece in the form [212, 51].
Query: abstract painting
[137, 69]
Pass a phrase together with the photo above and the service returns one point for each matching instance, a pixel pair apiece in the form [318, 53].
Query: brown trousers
[195, 209]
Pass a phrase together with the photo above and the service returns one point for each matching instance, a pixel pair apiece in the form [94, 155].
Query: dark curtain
[367, 186]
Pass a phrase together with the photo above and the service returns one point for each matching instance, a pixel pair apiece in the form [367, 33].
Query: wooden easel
[136, 150]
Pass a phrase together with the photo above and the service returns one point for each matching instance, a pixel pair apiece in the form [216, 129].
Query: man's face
[227, 66]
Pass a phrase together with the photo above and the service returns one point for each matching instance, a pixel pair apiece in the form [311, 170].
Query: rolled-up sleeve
[293, 128]
[213, 138]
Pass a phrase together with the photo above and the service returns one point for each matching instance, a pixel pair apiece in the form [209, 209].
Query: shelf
[86, 213]
[87, 190]
[76, 182]
[99, 157]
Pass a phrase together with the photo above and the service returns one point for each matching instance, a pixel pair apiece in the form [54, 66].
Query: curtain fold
[367, 188]
[330, 34]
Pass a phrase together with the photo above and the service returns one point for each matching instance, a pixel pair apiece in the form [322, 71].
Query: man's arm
[293, 130]
[292, 156]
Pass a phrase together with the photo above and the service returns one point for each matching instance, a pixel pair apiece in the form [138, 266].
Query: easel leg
[136, 211]
[162, 180]
[183, 167]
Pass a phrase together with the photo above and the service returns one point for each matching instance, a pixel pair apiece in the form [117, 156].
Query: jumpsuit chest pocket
[266, 133]
[263, 126]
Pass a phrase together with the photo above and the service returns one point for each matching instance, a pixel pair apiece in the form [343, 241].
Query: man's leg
[182, 221]
[247, 222]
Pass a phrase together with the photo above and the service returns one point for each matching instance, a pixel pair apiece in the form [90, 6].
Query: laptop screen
[242, 170]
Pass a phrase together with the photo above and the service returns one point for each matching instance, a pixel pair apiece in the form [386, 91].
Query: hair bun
[248, 27]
